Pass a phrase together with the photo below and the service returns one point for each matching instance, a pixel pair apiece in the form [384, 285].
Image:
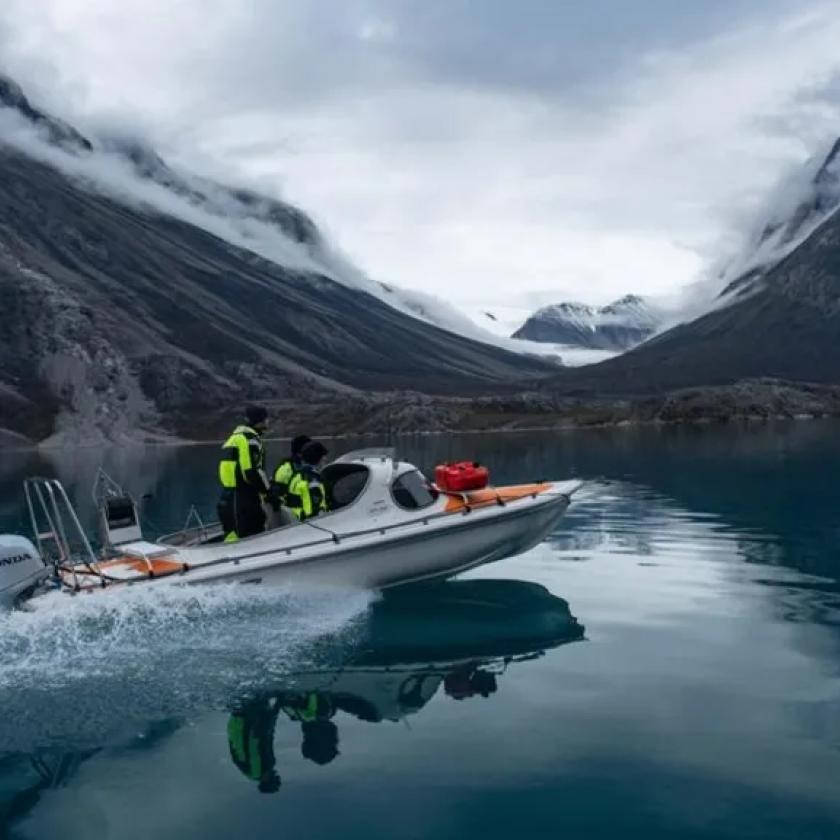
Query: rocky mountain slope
[616, 327]
[123, 317]
[118, 317]
[785, 324]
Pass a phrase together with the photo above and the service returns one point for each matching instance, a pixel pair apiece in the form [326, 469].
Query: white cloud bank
[465, 157]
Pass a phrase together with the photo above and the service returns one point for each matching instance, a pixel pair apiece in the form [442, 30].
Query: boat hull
[432, 554]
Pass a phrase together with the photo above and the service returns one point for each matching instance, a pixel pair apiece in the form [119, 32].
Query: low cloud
[109, 171]
[534, 148]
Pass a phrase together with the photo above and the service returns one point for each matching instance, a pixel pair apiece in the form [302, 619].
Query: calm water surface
[667, 664]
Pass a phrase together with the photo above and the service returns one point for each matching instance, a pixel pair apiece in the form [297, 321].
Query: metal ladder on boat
[61, 539]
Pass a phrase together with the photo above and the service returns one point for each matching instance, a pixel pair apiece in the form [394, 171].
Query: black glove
[275, 497]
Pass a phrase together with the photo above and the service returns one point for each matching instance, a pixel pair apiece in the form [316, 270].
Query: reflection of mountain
[629, 523]
[782, 480]
[145, 471]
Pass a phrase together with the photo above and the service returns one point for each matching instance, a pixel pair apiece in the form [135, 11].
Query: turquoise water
[666, 664]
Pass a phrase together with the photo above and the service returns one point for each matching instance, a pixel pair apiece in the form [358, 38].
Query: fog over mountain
[778, 316]
[592, 151]
[144, 299]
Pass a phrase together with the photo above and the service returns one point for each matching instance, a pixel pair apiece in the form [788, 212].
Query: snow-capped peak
[617, 326]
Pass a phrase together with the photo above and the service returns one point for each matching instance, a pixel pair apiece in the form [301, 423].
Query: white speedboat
[388, 525]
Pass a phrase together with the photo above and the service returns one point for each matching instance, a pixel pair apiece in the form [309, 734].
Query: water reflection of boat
[456, 638]
[26, 778]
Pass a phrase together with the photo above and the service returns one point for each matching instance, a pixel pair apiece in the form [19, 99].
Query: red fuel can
[461, 476]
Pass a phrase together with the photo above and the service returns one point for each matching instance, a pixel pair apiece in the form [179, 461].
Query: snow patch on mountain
[612, 328]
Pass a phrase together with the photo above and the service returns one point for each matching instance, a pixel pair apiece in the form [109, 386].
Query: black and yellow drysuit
[286, 470]
[306, 496]
[244, 484]
[251, 740]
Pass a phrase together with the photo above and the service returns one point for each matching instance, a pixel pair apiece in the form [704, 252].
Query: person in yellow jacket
[320, 735]
[243, 479]
[307, 496]
[285, 471]
[251, 728]
[250, 733]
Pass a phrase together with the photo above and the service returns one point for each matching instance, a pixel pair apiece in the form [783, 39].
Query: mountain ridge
[121, 320]
[787, 327]
[125, 320]
[617, 326]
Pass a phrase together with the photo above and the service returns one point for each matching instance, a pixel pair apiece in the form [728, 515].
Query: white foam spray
[85, 669]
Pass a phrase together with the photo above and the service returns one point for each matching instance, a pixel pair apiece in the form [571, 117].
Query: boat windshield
[412, 491]
[344, 483]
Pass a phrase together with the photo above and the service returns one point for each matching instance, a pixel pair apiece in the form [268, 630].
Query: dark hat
[484, 682]
[298, 443]
[313, 452]
[255, 414]
[320, 741]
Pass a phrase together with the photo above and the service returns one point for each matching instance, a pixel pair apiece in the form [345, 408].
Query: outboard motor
[21, 569]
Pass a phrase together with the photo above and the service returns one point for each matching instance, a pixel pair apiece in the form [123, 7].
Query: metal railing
[61, 540]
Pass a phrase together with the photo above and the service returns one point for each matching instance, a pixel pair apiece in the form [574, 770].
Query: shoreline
[562, 427]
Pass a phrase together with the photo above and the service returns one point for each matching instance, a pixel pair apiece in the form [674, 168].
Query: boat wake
[83, 669]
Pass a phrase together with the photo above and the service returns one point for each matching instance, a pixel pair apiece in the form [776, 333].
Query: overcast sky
[488, 151]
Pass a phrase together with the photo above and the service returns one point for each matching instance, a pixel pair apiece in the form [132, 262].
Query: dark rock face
[623, 324]
[750, 400]
[119, 320]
